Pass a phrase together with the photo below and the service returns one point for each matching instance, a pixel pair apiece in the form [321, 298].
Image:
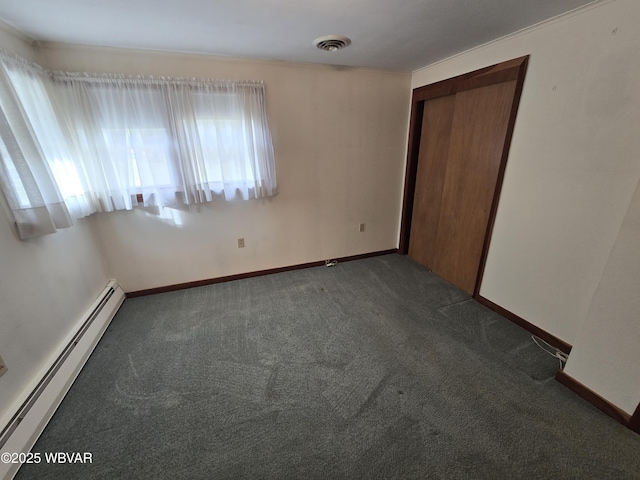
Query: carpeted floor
[372, 369]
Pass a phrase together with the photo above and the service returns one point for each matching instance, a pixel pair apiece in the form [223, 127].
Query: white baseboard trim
[33, 411]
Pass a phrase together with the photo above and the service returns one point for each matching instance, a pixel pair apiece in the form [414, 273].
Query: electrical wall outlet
[3, 367]
[241, 243]
[361, 227]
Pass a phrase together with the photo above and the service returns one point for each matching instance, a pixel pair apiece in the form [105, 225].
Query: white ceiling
[395, 35]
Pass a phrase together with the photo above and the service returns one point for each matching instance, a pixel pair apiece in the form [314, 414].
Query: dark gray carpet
[370, 369]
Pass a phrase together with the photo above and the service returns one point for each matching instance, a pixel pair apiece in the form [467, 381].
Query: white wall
[16, 42]
[339, 137]
[606, 355]
[573, 167]
[46, 284]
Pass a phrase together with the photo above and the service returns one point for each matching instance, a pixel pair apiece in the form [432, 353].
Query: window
[109, 141]
[25, 176]
[13, 178]
[175, 142]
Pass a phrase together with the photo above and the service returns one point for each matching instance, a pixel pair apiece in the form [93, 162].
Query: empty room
[336, 240]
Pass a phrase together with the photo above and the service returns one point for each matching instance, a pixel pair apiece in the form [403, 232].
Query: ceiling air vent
[331, 43]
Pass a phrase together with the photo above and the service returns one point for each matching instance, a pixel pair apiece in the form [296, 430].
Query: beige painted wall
[564, 253]
[339, 137]
[15, 42]
[46, 285]
[573, 163]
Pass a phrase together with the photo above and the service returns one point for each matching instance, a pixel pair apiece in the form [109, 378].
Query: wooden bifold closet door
[459, 150]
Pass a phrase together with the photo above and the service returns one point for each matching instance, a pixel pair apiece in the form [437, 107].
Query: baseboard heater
[24, 423]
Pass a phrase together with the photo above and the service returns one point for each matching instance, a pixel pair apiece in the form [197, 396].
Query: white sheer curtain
[223, 128]
[106, 141]
[176, 142]
[121, 131]
[29, 186]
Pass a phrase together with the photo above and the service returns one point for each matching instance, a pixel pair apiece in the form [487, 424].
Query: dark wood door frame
[506, 71]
